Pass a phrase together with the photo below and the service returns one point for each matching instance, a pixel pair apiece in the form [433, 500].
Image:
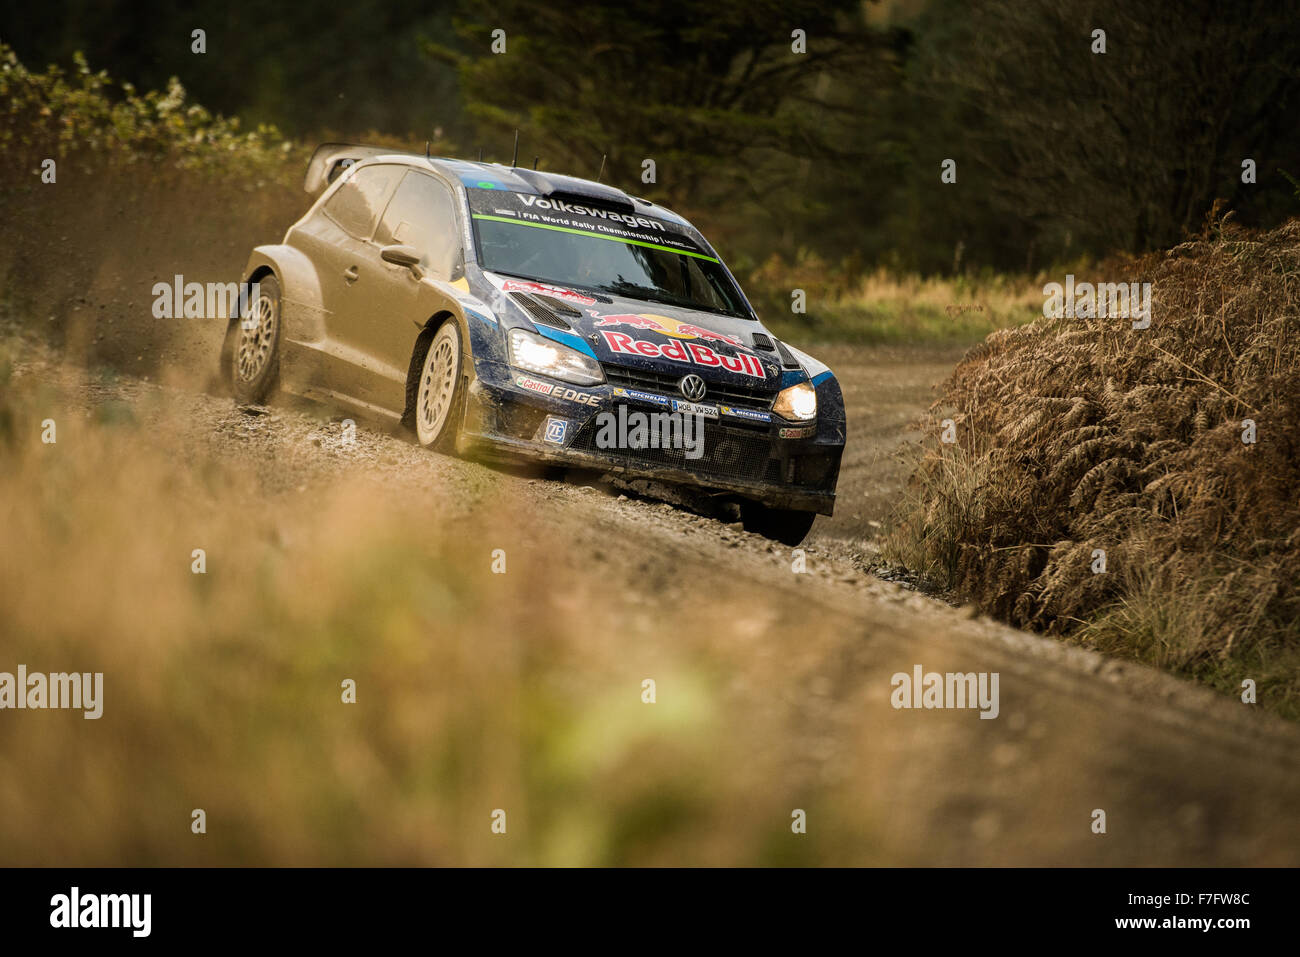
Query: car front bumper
[514, 416]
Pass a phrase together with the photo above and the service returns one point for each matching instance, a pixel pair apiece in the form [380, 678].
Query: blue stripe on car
[566, 339]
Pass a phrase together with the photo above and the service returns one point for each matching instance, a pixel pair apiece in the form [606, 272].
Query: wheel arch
[302, 309]
[428, 329]
[260, 273]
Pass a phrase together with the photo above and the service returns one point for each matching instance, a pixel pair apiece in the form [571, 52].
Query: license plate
[694, 408]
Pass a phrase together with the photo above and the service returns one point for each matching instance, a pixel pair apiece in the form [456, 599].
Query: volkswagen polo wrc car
[515, 314]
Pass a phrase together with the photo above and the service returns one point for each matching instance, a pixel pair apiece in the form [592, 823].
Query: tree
[719, 100]
[1123, 149]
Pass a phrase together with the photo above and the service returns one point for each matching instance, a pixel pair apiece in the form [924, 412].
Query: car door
[339, 241]
[420, 214]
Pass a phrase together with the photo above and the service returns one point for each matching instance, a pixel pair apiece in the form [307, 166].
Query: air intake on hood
[787, 360]
[542, 312]
[557, 305]
[763, 342]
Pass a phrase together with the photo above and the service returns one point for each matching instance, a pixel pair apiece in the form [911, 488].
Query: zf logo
[556, 429]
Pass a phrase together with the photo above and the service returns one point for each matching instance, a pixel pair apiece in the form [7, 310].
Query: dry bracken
[1085, 435]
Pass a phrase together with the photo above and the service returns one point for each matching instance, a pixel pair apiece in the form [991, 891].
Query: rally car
[510, 313]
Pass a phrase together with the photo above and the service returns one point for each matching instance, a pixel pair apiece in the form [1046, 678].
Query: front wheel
[255, 358]
[440, 391]
[787, 526]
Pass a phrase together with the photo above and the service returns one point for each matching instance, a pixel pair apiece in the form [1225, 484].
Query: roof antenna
[603, 157]
[427, 158]
[515, 158]
[535, 161]
[480, 154]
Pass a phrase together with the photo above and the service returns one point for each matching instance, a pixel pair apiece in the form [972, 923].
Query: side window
[422, 214]
[356, 204]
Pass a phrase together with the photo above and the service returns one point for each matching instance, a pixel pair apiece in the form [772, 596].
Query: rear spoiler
[331, 159]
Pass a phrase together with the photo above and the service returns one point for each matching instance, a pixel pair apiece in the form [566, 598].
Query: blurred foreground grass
[222, 691]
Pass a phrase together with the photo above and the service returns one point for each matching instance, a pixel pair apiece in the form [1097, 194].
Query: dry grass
[886, 306]
[1083, 434]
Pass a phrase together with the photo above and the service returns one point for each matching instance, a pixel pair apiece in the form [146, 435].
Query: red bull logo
[665, 325]
[690, 353]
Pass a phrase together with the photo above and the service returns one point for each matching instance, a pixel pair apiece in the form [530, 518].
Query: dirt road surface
[798, 703]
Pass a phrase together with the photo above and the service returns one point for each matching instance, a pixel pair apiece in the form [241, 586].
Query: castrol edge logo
[682, 349]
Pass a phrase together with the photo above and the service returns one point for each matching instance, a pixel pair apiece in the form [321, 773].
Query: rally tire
[255, 357]
[437, 400]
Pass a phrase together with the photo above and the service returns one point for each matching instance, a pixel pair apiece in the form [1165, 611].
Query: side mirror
[400, 255]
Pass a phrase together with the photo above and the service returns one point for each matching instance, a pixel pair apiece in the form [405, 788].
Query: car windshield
[638, 264]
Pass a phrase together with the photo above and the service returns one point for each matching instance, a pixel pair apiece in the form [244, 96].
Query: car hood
[651, 337]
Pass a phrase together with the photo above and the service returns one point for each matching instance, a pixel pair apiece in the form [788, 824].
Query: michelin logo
[640, 396]
[744, 413]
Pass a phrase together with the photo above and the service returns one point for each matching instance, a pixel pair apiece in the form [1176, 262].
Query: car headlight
[533, 353]
[798, 403]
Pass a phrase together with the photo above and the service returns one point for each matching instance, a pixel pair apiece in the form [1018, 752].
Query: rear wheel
[787, 526]
[440, 391]
[255, 359]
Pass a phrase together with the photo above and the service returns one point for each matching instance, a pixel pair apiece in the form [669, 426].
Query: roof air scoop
[574, 190]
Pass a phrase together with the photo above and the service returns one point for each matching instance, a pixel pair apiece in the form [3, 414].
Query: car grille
[728, 453]
[666, 384]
